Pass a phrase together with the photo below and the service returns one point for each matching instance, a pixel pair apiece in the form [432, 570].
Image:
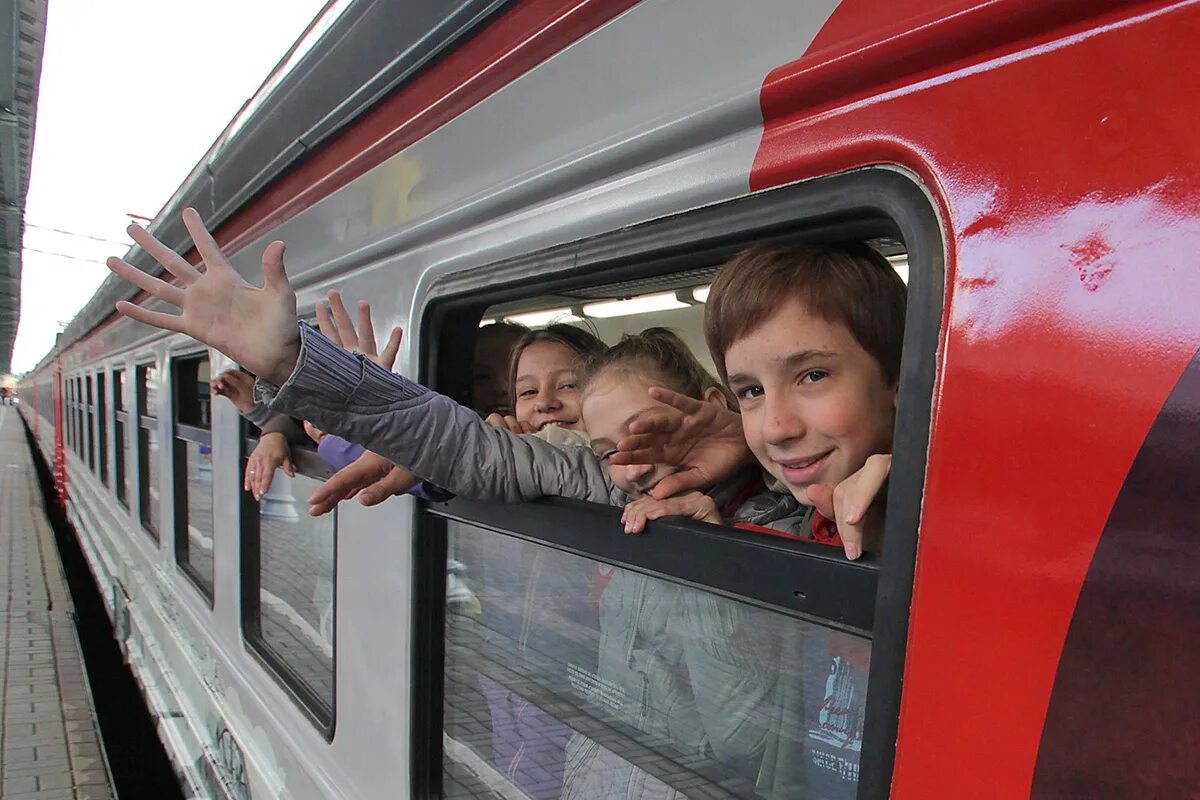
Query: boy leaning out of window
[808, 341]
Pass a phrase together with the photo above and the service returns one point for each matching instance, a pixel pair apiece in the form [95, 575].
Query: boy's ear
[714, 395]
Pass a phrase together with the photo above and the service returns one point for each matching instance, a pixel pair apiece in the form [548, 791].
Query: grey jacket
[430, 434]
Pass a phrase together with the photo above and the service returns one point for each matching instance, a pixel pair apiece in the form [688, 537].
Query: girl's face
[615, 398]
[546, 390]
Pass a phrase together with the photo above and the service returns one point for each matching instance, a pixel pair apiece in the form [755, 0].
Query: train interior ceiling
[675, 300]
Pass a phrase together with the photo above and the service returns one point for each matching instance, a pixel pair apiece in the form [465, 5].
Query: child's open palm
[255, 327]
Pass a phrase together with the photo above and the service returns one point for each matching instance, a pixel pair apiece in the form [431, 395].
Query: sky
[132, 95]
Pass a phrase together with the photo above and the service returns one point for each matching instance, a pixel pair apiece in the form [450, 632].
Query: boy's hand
[371, 474]
[238, 386]
[334, 321]
[255, 327]
[851, 504]
[704, 438]
[694, 504]
[271, 453]
[509, 422]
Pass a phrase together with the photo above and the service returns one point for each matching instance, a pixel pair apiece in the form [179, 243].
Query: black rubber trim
[868, 203]
[802, 578]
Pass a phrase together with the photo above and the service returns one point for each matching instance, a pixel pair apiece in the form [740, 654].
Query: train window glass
[289, 574]
[193, 472]
[700, 660]
[575, 678]
[146, 382]
[69, 409]
[102, 427]
[72, 412]
[120, 443]
[80, 438]
[90, 421]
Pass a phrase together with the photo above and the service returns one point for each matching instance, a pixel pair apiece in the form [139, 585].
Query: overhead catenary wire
[77, 235]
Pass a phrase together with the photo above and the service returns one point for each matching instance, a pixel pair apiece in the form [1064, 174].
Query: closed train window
[90, 421]
[72, 418]
[102, 427]
[289, 576]
[146, 382]
[80, 439]
[120, 437]
[193, 470]
[695, 660]
[69, 413]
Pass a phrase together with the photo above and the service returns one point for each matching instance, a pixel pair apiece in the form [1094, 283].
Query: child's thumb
[821, 497]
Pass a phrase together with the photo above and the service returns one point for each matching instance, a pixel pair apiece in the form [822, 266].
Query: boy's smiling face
[814, 403]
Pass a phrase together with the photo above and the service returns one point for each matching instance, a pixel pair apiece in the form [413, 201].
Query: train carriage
[1031, 628]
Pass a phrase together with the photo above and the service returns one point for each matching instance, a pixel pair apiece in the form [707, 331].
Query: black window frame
[145, 422]
[854, 206]
[305, 461]
[184, 433]
[101, 382]
[120, 484]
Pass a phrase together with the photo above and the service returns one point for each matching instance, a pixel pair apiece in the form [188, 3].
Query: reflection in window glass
[296, 583]
[571, 678]
[120, 418]
[89, 422]
[102, 427]
[148, 461]
[195, 461]
[148, 447]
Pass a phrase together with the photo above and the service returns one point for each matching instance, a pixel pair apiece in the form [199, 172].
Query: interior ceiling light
[536, 319]
[900, 264]
[636, 305]
[700, 294]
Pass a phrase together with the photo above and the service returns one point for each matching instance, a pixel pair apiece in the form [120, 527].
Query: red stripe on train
[1067, 171]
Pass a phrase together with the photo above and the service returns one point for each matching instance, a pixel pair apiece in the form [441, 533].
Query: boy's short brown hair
[853, 285]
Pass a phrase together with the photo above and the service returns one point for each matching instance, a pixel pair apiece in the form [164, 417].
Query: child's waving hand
[703, 437]
[693, 504]
[334, 321]
[255, 327]
[853, 505]
[237, 386]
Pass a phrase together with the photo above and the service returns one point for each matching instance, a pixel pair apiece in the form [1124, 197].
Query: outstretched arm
[428, 433]
[343, 393]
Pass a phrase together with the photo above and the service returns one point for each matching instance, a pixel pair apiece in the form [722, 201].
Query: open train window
[146, 382]
[289, 579]
[102, 427]
[120, 442]
[556, 656]
[191, 449]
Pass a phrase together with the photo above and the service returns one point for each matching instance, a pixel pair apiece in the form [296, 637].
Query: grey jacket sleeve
[428, 433]
[261, 413]
[292, 430]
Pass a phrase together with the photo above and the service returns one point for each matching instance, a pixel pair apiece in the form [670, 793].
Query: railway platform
[50, 748]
